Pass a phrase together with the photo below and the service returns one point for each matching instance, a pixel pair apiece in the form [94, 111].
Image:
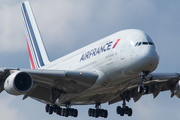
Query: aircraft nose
[149, 59]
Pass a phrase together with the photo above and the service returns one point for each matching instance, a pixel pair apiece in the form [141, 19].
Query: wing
[157, 82]
[71, 82]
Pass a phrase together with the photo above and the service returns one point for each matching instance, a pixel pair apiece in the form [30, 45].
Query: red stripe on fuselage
[30, 56]
[116, 43]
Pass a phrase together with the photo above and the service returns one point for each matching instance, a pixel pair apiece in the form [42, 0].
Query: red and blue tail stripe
[37, 53]
[30, 56]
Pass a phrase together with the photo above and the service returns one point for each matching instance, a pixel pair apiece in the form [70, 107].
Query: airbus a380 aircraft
[116, 68]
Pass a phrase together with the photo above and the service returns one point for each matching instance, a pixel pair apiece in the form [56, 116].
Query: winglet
[37, 53]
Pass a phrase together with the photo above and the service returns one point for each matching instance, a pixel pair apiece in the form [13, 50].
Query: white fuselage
[118, 59]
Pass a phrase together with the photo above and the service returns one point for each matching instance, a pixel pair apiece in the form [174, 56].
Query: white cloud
[11, 28]
[63, 22]
[145, 107]
[7, 112]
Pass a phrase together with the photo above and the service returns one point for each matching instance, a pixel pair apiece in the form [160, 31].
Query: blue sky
[67, 25]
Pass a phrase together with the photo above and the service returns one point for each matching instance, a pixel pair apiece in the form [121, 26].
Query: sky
[67, 25]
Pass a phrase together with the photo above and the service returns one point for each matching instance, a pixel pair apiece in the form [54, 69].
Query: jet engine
[18, 83]
[177, 89]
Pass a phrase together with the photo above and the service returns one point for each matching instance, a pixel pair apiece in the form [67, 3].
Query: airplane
[113, 69]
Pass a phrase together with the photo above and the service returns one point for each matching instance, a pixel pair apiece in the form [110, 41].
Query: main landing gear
[124, 109]
[58, 110]
[61, 111]
[97, 112]
[142, 87]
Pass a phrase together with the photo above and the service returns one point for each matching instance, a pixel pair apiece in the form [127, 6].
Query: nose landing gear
[142, 87]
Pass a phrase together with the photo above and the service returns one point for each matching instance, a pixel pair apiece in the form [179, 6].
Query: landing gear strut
[58, 110]
[97, 112]
[142, 87]
[124, 109]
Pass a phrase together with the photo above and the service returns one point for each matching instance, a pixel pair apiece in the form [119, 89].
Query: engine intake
[18, 83]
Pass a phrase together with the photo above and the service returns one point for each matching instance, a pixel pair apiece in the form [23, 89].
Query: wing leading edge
[157, 82]
[64, 81]
[75, 82]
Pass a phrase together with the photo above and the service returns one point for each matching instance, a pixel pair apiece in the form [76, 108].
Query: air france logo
[100, 49]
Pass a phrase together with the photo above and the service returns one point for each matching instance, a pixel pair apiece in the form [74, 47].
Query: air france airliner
[113, 69]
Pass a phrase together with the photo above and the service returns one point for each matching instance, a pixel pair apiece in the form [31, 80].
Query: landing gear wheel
[63, 112]
[118, 109]
[124, 109]
[105, 113]
[93, 112]
[121, 111]
[90, 112]
[50, 110]
[96, 113]
[101, 112]
[75, 113]
[129, 112]
[47, 107]
[58, 110]
[66, 112]
[71, 111]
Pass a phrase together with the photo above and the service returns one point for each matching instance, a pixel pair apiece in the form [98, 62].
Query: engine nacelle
[177, 89]
[18, 83]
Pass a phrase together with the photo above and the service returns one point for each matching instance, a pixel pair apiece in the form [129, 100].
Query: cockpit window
[150, 43]
[144, 43]
[136, 43]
